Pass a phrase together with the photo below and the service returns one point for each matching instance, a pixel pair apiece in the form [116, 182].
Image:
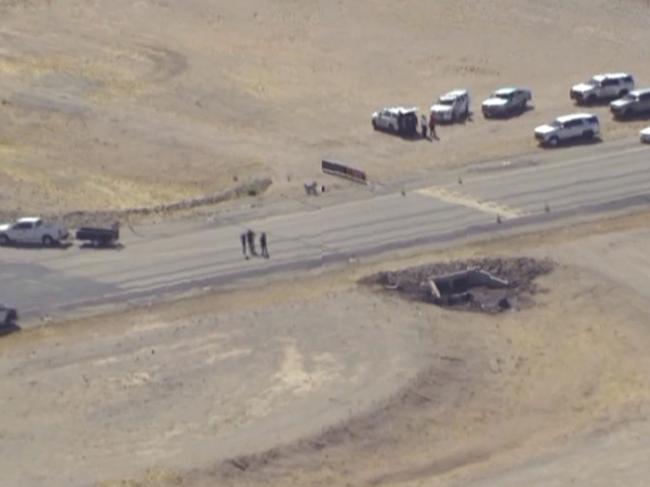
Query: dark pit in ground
[488, 284]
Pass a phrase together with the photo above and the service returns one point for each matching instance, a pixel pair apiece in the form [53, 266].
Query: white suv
[506, 102]
[32, 231]
[577, 125]
[636, 102]
[603, 87]
[400, 120]
[645, 135]
[451, 107]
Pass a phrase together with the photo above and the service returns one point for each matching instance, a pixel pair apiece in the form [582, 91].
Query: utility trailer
[99, 236]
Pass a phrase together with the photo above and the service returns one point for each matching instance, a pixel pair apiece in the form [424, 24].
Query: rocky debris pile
[490, 284]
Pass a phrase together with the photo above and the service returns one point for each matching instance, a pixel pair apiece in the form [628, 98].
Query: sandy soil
[130, 103]
[323, 383]
[556, 396]
[164, 387]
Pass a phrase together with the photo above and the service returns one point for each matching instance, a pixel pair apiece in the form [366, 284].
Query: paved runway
[547, 187]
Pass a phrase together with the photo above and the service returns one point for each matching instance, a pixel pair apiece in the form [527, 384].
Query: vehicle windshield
[503, 96]
[629, 97]
[555, 124]
[445, 102]
[592, 82]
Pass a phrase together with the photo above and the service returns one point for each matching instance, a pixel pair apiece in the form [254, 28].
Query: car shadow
[459, 121]
[510, 116]
[37, 246]
[594, 104]
[116, 246]
[637, 117]
[410, 137]
[574, 142]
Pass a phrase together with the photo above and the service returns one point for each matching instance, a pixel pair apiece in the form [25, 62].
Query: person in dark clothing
[250, 238]
[263, 245]
[242, 237]
[432, 126]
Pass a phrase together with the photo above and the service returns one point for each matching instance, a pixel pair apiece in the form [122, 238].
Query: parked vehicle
[506, 102]
[636, 102]
[8, 316]
[99, 237]
[451, 107]
[567, 127]
[399, 120]
[32, 230]
[645, 135]
[602, 87]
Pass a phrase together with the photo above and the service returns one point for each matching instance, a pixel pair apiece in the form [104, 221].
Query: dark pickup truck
[98, 236]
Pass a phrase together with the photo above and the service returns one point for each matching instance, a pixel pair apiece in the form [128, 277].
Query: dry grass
[137, 103]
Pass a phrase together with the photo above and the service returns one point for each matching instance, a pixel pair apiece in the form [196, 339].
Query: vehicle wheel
[622, 93]
[374, 125]
[48, 241]
[588, 134]
[590, 100]
[553, 141]
[4, 240]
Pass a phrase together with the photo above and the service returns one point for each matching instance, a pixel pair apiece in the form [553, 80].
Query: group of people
[430, 125]
[248, 244]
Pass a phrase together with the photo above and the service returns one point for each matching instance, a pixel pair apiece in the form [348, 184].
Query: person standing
[263, 245]
[423, 124]
[250, 238]
[242, 237]
[432, 126]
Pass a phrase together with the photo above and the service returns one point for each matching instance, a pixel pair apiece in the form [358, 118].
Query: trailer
[99, 236]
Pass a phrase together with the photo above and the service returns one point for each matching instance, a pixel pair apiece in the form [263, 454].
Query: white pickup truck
[32, 230]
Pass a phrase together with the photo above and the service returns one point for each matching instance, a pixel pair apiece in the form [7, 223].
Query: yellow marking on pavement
[456, 197]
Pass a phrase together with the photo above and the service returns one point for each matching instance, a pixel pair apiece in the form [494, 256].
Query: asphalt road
[545, 188]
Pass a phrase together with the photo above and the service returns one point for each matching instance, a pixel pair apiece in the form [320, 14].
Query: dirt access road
[133, 103]
[321, 382]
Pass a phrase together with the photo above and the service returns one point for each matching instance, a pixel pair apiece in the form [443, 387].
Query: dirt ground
[317, 381]
[324, 382]
[131, 103]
